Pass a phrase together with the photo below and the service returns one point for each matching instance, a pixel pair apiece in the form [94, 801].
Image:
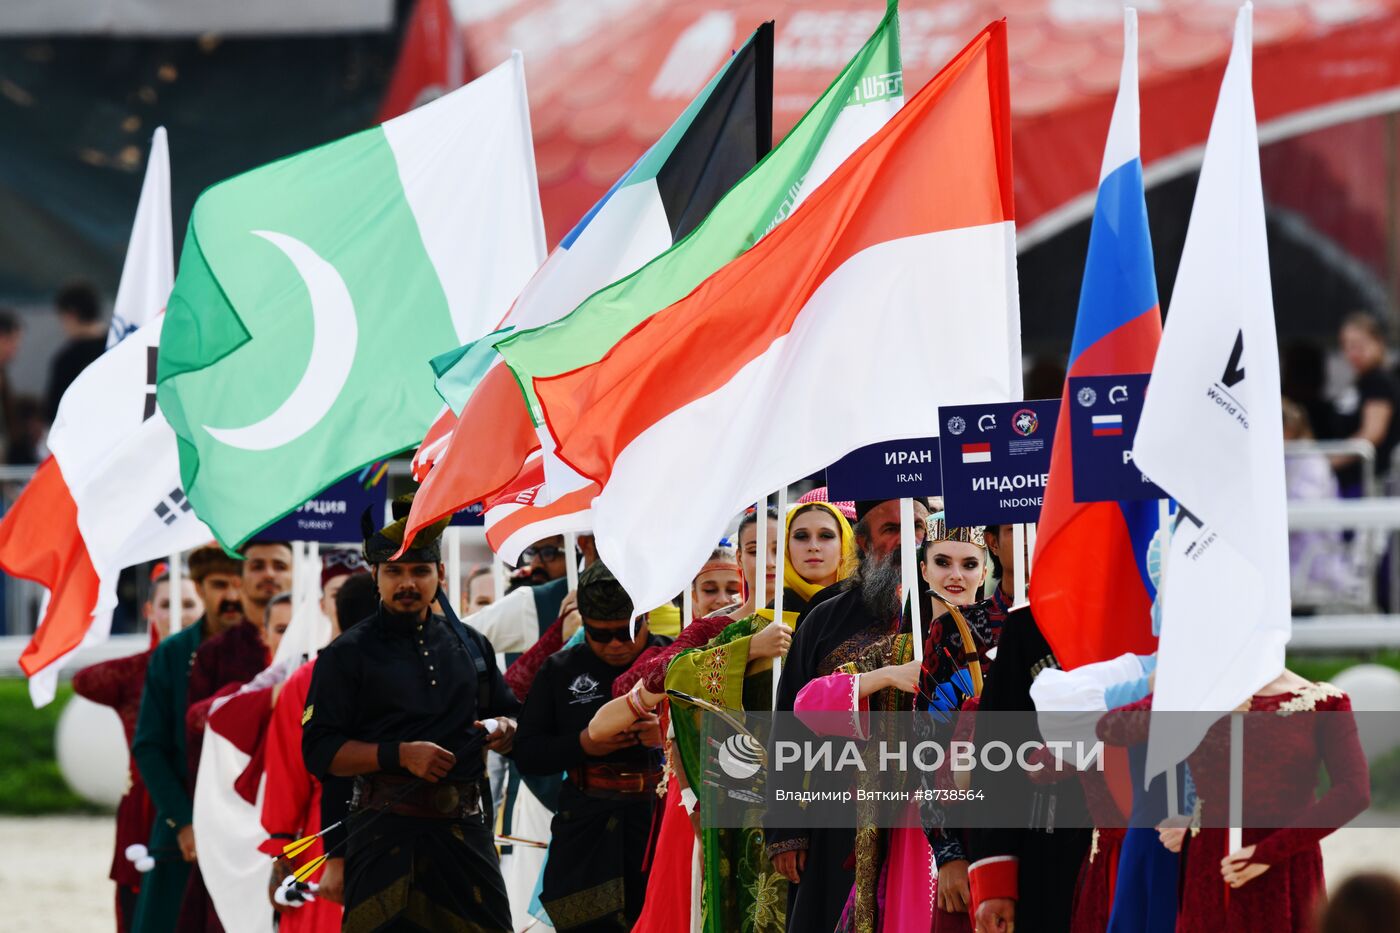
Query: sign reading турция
[888, 470]
[333, 517]
[996, 460]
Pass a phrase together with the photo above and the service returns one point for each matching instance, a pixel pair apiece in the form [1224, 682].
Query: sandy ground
[53, 871]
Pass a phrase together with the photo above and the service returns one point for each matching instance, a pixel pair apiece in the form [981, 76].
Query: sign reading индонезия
[991, 462]
[996, 460]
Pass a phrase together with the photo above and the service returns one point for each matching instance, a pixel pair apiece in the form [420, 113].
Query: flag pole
[313, 572]
[778, 580]
[298, 576]
[454, 567]
[1018, 573]
[908, 574]
[687, 604]
[174, 575]
[571, 560]
[760, 573]
[1236, 783]
[1030, 549]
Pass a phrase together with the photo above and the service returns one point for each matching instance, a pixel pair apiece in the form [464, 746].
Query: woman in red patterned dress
[118, 683]
[1274, 882]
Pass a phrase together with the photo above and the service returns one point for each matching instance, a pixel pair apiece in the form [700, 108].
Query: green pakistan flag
[313, 291]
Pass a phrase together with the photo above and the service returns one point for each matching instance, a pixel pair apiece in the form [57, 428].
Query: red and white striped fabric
[110, 496]
[516, 517]
[434, 444]
[892, 290]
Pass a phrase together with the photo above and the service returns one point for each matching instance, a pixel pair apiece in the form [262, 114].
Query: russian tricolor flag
[1108, 425]
[1098, 610]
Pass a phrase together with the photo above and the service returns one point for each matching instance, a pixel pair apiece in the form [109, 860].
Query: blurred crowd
[25, 419]
[1356, 405]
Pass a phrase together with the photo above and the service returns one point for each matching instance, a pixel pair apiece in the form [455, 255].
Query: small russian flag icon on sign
[977, 453]
[1108, 425]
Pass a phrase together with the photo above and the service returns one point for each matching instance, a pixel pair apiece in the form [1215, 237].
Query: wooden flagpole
[778, 580]
[909, 575]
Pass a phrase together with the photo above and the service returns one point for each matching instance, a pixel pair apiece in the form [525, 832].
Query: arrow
[1234, 372]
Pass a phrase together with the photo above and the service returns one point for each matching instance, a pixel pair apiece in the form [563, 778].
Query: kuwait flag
[863, 96]
[1103, 614]
[724, 131]
[110, 496]
[312, 290]
[910, 243]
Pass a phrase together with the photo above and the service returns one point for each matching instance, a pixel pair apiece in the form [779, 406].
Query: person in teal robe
[159, 743]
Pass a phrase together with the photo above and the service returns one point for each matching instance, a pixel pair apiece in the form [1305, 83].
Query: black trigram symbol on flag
[152, 354]
[169, 508]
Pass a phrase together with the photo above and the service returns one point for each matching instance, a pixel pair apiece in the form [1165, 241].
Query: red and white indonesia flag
[110, 495]
[891, 291]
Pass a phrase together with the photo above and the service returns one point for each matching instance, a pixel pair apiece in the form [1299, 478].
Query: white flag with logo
[149, 268]
[1211, 435]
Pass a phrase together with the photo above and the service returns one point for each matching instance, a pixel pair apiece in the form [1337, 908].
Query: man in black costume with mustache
[399, 702]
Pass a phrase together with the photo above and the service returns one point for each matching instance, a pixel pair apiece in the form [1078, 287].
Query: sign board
[332, 517]
[888, 470]
[1103, 419]
[996, 460]
[472, 515]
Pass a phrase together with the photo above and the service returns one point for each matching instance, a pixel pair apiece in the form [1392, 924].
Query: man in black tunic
[398, 702]
[593, 879]
[1024, 873]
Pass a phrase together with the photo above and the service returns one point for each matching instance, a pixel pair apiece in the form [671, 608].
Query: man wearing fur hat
[593, 879]
[400, 703]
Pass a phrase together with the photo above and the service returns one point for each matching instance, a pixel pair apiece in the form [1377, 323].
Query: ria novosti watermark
[1019, 770]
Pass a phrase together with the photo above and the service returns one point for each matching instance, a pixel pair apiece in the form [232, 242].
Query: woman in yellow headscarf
[740, 888]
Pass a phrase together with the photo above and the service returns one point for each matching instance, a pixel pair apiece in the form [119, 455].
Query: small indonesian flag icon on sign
[977, 453]
[1108, 425]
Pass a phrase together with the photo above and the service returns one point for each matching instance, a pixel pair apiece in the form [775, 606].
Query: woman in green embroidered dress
[741, 890]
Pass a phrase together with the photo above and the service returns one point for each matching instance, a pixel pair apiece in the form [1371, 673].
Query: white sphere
[92, 754]
[136, 851]
[1373, 688]
[144, 865]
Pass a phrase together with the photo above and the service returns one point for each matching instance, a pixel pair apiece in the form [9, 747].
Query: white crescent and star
[335, 334]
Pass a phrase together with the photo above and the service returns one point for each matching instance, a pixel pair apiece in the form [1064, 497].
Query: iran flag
[813, 343]
[110, 496]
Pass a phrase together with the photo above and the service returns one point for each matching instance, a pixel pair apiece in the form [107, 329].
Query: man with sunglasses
[593, 879]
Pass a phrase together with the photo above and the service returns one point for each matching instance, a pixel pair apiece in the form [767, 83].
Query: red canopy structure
[606, 77]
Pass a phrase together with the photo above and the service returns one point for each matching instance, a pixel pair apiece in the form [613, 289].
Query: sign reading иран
[889, 470]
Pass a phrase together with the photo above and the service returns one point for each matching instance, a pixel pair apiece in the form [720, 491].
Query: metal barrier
[1363, 450]
[1375, 517]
